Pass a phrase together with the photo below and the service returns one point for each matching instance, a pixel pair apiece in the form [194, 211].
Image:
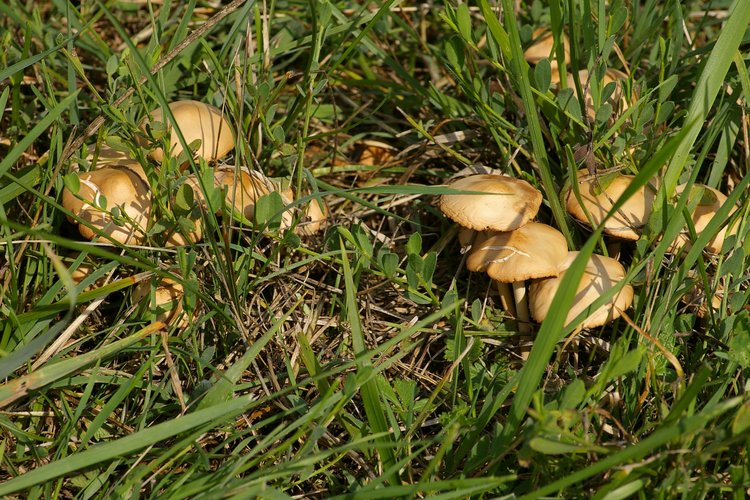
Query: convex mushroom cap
[196, 121]
[710, 200]
[502, 203]
[121, 187]
[598, 195]
[601, 274]
[534, 250]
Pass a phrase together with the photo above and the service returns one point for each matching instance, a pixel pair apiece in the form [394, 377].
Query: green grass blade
[19, 387]
[708, 86]
[124, 446]
[521, 76]
[370, 392]
[661, 437]
[224, 387]
[15, 153]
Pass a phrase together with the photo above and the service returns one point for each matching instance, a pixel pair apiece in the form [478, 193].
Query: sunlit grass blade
[18, 388]
[708, 86]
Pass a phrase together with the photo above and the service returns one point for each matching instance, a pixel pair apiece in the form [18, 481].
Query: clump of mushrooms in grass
[495, 205]
[114, 202]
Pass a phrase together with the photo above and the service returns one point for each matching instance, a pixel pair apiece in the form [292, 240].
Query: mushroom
[375, 153]
[196, 121]
[121, 187]
[501, 203]
[243, 189]
[542, 48]
[108, 154]
[710, 201]
[316, 213]
[86, 268]
[177, 238]
[167, 303]
[598, 193]
[534, 250]
[601, 274]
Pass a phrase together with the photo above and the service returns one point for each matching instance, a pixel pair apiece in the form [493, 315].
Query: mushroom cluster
[496, 212]
[595, 195]
[114, 203]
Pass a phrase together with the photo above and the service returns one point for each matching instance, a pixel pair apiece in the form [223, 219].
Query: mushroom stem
[506, 298]
[522, 307]
[522, 313]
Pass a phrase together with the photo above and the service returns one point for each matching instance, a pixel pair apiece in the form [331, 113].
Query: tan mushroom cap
[601, 274]
[196, 121]
[506, 204]
[533, 250]
[178, 238]
[167, 304]
[598, 194]
[108, 154]
[375, 153]
[243, 190]
[122, 188]
[542, 47]
[710, 201]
